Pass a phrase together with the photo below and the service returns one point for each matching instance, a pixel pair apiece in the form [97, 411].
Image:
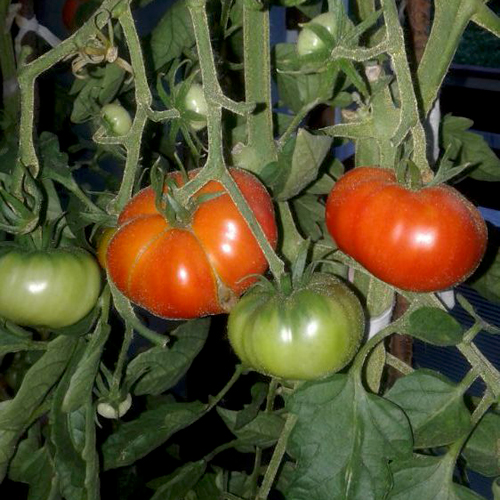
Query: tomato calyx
[408, 175]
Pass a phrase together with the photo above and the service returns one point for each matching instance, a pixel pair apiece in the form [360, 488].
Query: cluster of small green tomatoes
[204, 259]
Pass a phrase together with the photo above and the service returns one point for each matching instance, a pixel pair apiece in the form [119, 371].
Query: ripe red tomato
[195, 270]
[76, 12]
[423, 241]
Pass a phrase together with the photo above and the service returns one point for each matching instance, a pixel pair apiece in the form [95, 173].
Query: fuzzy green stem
[279, 452]
[483, 366]
[257, 65]
[122, 357]
[486, 401]
[143, 98]
[215, 400]
[399, 365]
[488, 20]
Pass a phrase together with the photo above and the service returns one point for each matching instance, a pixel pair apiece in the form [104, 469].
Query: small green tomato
[116, 118]
[195, 101]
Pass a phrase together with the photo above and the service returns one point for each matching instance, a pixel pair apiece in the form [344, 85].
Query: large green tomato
[309, 334]
[52, 288]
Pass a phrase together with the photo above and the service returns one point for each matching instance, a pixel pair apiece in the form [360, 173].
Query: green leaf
[487, 280]
[250, 411]
[134, 440]
[206, 488]
[18, 414]
[310, 213]
[73, 438]
[428, 477]
[179, 483]
[34, 467]
[296, 88]
[172, 35]
[434, 406]
[435, 326]
[482, 450]
[160, 368]
[291, 238]
[80, 387]
[309, 152]
[469, 147]
[263, 431]
[364, 431]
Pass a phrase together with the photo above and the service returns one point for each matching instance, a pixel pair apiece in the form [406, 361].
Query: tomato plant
[53, 288]
[310, 409]
[424, 240]
[116, 118]
[311, 333]
[197, 268]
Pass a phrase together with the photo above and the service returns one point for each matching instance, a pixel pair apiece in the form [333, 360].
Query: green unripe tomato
[52, 288]
[313, 332]
[309, 42]
[195, 101]
[116, 118]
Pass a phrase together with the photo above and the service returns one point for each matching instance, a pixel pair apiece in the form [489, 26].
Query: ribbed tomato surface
[195, 270]
[425, 240]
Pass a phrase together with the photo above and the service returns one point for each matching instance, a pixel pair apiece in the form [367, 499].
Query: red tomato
[76, 12]
[196, 270]
[423, 241]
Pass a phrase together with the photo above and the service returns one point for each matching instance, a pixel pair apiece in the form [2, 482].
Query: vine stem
[27, 75]
[215, 167]
[214, 401]
[257, 69]
[117, 374]
[279, 452]
[483, 366]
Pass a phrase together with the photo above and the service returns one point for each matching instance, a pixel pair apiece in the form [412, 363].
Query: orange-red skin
[423, 241]
[175, 272]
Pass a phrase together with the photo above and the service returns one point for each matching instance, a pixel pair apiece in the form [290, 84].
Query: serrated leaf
[482, 450]
[310, 213]
[434, 406]
[36, 469]
[133, 440]
[172, 35]
[435, 326]
[428, 477]
[309, 152]
[250, 411]
[365, 430]
[179, 483]
[160, 368]
[291, 239]
[468, 147]
[82, 382]
[38, 381]
[263, 431]
[206, 488]
[487, 280]
[296, 88]
[75, 457]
